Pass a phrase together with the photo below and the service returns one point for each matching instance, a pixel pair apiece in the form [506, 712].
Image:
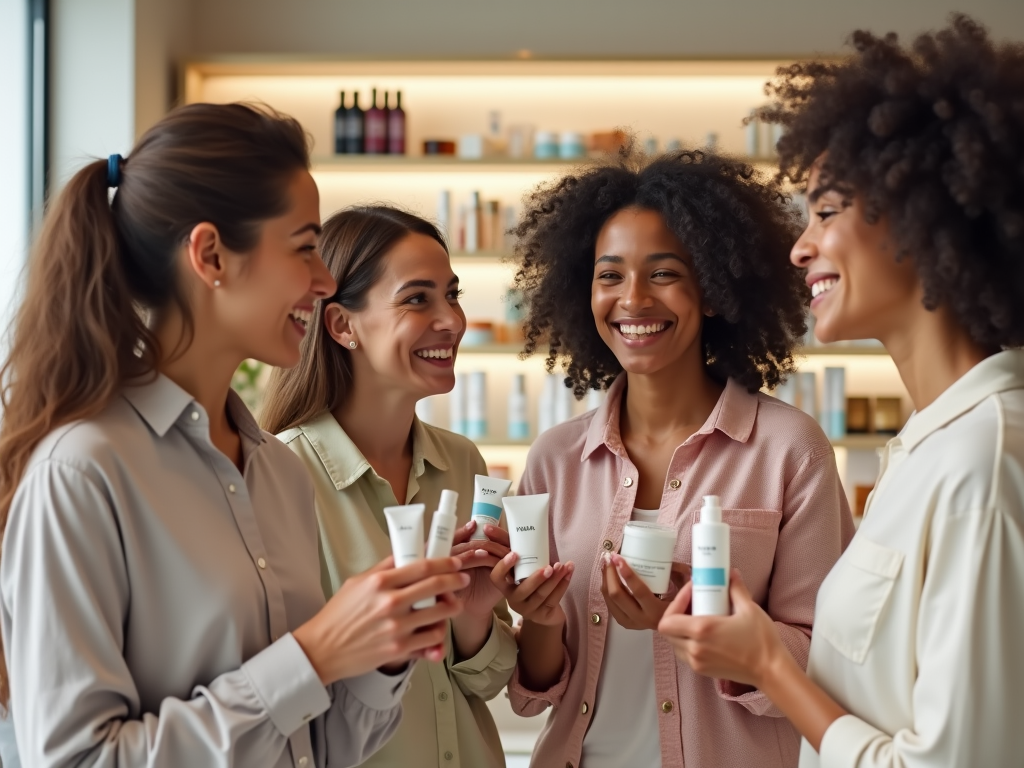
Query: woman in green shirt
[385, 340]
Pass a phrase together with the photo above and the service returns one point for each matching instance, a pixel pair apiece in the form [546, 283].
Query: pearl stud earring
[216, 283]
[352, 345]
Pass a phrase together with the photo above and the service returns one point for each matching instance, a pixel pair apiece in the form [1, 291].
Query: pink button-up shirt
[776, 474]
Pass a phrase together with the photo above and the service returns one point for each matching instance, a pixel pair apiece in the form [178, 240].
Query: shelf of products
[514, 124]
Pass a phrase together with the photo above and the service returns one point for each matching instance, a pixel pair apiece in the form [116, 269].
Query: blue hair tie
[114, 170]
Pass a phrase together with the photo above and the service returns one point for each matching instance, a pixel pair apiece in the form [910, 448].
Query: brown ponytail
[353, 245]
[98, 267]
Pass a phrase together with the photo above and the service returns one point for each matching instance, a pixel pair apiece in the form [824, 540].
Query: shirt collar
[998, 373]
[161, 403]
[344, 461]
[733, 415]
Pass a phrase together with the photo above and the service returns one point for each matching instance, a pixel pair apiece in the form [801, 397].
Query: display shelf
[436, 164]
[869, 442]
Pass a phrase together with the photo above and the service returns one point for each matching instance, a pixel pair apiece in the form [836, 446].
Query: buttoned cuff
[755, 701]
[846, 741]
[484, 657]
[520, 695]
[375, 690]
[287, 684]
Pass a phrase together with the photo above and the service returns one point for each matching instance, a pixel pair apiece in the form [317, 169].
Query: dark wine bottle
[396, 127]
[376, 136]
[354, 127]
[340, 127]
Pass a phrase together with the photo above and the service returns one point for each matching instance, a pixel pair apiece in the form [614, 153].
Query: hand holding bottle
[629, 599]
[478, 557]
[370, 621]
[538, 597]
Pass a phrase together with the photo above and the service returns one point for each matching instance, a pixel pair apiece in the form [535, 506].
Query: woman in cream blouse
[386, 339]
[912, 160]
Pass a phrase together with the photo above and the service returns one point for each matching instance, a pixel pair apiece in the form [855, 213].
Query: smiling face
[408, 333]
[268, 293]
[859, 289]
[645, 295]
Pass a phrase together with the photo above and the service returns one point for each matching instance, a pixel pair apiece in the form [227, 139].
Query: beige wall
[163, 30]
[569, 27]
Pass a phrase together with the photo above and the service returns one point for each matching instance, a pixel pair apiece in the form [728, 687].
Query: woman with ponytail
[160, 599]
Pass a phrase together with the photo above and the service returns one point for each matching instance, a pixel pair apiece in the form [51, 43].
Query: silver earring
[216, 283]
[352, 345]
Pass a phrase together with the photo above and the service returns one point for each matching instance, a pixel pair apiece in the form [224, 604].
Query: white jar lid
[650, 541]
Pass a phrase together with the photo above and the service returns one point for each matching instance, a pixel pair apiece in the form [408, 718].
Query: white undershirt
[624, 728]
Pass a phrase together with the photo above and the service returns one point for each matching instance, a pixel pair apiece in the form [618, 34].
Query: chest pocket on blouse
[753, 536]
[857, 592]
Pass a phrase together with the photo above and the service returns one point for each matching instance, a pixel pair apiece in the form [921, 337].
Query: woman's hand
[370, 622]
[471, 629]
[478, 558]
[538, 598]
[636, 607]
[743, 647]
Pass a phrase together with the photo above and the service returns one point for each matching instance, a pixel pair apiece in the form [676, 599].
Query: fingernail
[468, 525]
[548, 570]
[465, 579]
[480, 552]
[557, 567]
[509, 558]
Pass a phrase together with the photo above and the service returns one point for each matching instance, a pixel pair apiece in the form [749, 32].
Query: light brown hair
[100, 267]
[353, 245]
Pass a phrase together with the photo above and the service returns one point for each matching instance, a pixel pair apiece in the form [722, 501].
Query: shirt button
[261, 563]
[627, 482]
[303, 761]
[448, 755]
[666, 707]
[442, 696]
[195, 415]
[595, 618]
[585, 708]
[608, 544]
[674, 484]
[231, 487]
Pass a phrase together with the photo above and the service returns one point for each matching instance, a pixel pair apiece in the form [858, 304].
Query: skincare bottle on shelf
[833, 403]
[710, 561]
[457, 405]
[354, 127]
[476, 405]
[340, 126]
[808, 384]
[518, 426]
[376, 129]
[396, 127]
[472, 224]
[546, 404]
[444, 214]
[563, 400]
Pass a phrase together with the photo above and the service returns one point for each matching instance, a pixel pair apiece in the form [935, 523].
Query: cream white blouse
[919, 628]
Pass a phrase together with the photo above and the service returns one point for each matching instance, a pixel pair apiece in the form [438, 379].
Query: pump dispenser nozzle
[711, 511]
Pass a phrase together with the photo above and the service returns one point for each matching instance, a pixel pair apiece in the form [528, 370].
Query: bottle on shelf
[396, 127]
[444, 215]
[375, 141]
[340, 127]
[476, 405]
[518, 426]
[457, 405]
[833, 403]
[354, 127]
[471, 226]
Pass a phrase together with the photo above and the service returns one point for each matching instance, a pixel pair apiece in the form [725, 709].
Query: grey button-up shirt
[149, 590]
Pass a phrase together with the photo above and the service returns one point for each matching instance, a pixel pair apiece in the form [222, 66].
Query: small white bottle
[457, 405]
[546, 404]
[442, 531]
[710, 561]
[444, 213]
[518, 426]
[476, 405]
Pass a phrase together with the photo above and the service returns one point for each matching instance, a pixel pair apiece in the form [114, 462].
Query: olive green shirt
[446, 722]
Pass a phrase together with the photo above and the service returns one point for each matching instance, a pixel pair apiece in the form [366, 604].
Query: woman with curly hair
[668, 282]
[914, 165]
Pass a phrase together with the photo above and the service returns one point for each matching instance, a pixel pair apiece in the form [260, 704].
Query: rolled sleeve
[379, 691]
[529, 703]
[847, 739]
[489, 671]
[287, 684]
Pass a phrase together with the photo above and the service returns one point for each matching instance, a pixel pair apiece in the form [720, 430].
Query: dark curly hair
[931, 138]
[738, 230]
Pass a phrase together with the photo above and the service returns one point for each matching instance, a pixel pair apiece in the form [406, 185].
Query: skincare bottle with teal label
[710, 561]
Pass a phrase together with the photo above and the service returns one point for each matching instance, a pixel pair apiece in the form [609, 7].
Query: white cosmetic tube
[528, 532]
[648, 548]
[487, 495]
[710, 561]
[405, 527]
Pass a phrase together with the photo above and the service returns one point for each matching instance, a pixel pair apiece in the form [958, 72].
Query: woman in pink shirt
[666, 281]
